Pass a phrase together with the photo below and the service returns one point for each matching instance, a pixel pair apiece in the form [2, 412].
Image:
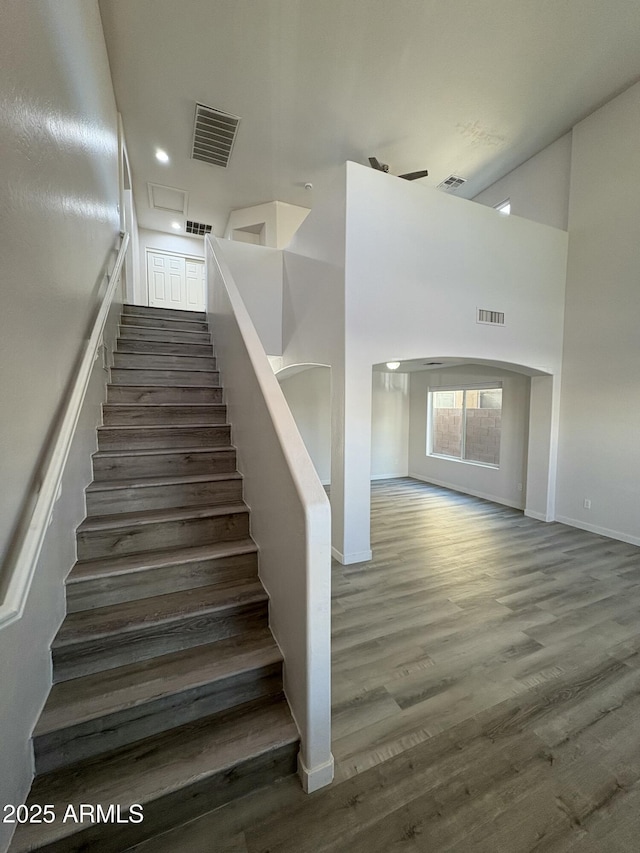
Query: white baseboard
[389, 476]
[347, 559]
[601, 531]
[487, 497]
[316, 777]
[539, 516]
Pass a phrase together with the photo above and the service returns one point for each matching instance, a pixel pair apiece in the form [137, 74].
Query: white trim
[539, 516]
[475, 494]
[316, 777]
[23, 567]
[176, 254]
[601, 531]
[348, 559]
[389, 476]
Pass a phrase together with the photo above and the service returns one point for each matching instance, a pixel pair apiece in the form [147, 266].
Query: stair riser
[133, 376]
[94, 544]
[126, 344]
[153, 437]
[164, 464]
[140, 499]
[142, 360]
[141, 333]
[76, 743]
[133, 586]
[157, 394]
[130, 415]
[163, 323]
[149, 641]
[173, 313]
[171, 810]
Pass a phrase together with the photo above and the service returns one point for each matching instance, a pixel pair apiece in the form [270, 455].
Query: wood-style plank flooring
[486, 694]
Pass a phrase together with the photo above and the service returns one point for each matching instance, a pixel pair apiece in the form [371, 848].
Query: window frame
[464, 387]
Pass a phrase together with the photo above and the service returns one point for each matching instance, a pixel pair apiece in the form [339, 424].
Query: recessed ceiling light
[176, 225]
[393, 365]
[162, 156]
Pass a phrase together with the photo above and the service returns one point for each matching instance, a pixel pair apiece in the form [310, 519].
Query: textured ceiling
[471, 87]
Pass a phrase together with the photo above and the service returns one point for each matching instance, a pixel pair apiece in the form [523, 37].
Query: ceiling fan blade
[376, 164]
[413, 176]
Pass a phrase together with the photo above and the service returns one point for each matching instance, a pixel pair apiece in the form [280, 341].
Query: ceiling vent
[213, 135]
[492, 318]
[452, 183]
[198, 228]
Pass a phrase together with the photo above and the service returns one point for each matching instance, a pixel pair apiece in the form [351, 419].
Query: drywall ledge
[292, 532]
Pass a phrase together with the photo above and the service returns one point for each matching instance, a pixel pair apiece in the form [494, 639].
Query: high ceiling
[466, 87]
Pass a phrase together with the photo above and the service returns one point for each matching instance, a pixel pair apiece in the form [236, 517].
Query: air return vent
[213, 135]
[492, 318]
[452, 183]
[198, 228]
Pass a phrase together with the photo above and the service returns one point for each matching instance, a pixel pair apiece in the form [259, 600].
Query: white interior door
[167, 280]
[195, 285]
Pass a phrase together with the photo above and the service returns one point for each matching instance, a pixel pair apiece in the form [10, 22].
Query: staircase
[167, 681]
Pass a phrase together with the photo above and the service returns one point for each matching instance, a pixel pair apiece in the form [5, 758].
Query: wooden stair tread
[129, 616]
[131, 563]
[161, 427]
[154, 516]
[167, 405]
[158, 766]
[171, 480]
[159, 451]
[92, 696]
[166, 328]
[169, 368]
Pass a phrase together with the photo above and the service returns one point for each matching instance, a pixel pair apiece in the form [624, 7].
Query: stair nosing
[168, 369]
[146, 427]
[264, 653]
[123, 520]
[153, 451]
[149, 560]
[161, 405]
[255, 593]
[170, 767]
[167, 328]
[169, 480]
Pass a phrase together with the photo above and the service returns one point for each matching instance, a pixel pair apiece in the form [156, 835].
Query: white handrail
[21, 567]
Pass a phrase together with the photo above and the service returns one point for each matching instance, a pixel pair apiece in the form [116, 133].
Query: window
[465, 423]
[504, 207]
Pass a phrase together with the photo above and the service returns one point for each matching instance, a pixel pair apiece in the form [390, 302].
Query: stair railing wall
[17, 576]
[290, 517]
[32, 601]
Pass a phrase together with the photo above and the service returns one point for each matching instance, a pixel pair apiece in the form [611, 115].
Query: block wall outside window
[466, 424]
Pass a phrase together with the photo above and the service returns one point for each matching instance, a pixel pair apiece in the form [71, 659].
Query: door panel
[195, 285]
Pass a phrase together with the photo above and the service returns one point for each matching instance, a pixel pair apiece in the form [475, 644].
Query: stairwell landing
[167, 681]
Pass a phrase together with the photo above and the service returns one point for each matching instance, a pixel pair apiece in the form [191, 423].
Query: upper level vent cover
[493, 318]
[198, 228]
[213, 135]
[453, 182]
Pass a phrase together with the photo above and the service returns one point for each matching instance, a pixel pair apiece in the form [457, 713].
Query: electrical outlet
[587, 503]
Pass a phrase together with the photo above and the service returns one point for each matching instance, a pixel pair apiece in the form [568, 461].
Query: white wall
[389, 425]
[278, 222]
[599, 453]
[539, 188]
[257, 272]
[58, 227]
[308, 394]
[180, 244]
[496, 484]
[313, 315]
[290, 518]
[383, 269]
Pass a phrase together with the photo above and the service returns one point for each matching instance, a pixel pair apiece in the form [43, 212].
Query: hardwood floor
[486, 694]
